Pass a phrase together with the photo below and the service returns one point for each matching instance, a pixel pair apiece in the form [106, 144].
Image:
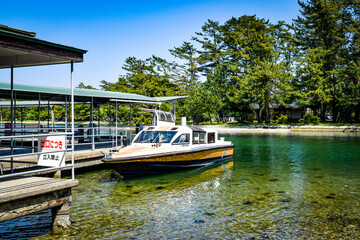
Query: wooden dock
[20, 196]
[82, 158]
[24, 195]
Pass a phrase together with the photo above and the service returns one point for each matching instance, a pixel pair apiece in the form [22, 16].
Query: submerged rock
[315, 169]
[199, 221]
[116, 175]
[330, 196]
[160, 187]
[248, 203]
[209, 214]
[274, 179]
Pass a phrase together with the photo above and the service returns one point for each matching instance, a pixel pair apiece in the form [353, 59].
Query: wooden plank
[23, 187]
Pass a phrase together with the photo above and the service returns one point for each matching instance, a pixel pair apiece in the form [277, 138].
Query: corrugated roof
[20, 48]
[30, 36]
[33, 103]
[31, 92]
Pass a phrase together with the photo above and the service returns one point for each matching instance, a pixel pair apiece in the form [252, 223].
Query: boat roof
[196, 129]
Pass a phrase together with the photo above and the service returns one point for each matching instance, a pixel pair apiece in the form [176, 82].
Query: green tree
[211, 41]
[257, 55]
[321, 30]
[189, 70]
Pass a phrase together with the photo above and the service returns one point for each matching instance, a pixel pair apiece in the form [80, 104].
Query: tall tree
[189, 73]
[320, 28]
[151, 77]
[211, 40]
[260, 69]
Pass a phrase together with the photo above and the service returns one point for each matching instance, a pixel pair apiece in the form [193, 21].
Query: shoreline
[346, 130]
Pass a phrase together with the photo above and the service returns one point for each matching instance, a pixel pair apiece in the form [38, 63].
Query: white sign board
[47, 146]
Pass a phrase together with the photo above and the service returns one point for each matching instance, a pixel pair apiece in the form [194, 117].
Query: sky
[111, 31]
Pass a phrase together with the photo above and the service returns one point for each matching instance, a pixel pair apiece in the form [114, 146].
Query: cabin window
[199, 138]
[155, 137]
[202, 138]
[164, 137]
[162, 116]
[195, 138]
[211, 137]
[182, 139]
[169, 117]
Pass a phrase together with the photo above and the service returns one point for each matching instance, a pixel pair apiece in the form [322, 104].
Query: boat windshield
[155, 137]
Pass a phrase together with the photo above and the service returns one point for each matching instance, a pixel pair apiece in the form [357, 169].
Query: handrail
[33, 154]
[34, 171]
[36, 135]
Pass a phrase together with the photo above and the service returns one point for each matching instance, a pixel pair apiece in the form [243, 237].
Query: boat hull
[171, 161]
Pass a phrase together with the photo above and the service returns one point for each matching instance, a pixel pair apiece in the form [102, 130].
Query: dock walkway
[20, 196]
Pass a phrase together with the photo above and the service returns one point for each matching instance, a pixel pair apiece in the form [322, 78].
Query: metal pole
[1, 118]
[66, 114]
[109, 118]
[72, 121]
[92, 123]
[98, 133]
[12, 119]
[53, 116]
[116, 126]
[21, 119]
[14, 112]
[130, 123]
[174, 112]
[48, 116]
[39, 112]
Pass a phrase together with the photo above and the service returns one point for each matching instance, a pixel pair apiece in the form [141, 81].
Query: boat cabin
[175, 135]
[165, 131]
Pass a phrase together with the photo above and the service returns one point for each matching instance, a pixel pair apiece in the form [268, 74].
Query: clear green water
[276, 187]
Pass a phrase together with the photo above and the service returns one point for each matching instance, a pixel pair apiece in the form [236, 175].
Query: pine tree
[320, 29]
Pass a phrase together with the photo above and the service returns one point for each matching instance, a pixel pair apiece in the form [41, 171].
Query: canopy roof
[169, 99]
[33, 103]
[19, 48]
[31, 92]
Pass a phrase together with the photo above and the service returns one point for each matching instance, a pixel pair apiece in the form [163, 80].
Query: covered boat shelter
[19, 48]
[94, 134]
[21, 195]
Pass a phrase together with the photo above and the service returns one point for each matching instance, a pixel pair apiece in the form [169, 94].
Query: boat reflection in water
[166, 147]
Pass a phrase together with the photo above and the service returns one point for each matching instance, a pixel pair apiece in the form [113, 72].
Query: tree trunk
[334, 110]
[260, 114]
[322, 113]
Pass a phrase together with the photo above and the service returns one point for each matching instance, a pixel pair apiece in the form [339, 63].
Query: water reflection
[277, 186]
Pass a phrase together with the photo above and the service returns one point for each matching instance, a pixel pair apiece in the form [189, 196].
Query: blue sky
[111, 31]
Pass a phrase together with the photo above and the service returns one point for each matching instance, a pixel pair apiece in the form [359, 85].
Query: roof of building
[169, 99]
[31, 92]
[291, 105]
[33, 103]
[19, 48]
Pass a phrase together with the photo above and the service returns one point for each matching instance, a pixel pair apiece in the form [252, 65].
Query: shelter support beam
[12, 119]
[116, 125]
[72, 121]
[92, 125]
[130, 124]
